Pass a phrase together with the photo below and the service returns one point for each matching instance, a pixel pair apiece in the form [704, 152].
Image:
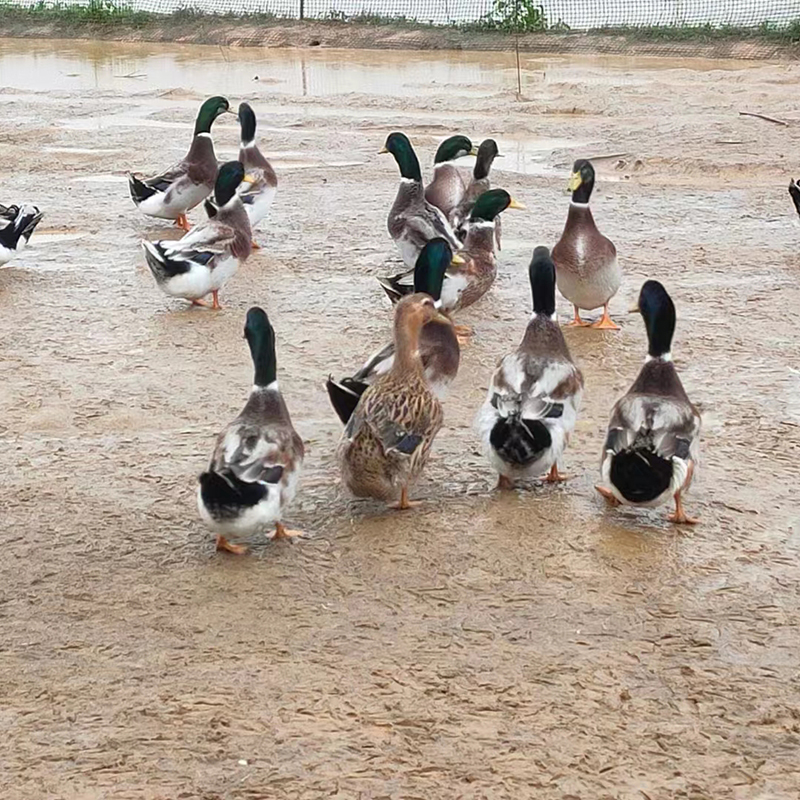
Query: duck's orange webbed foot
[403, 504]
[223, 545]
[605, 323]
[183, 222]
[608, 495]
[577, 322]
[679, 516]
[554, 476]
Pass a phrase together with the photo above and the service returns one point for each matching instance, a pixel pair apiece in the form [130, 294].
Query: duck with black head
[653, 440]
[259, 194]
[208, 256]
[185, 185]
[413, 221]
[447, 188]
[255, 467]
[587, 270]
[480, 183]
[535, 393]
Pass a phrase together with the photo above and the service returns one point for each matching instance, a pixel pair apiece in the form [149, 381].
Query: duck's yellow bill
[474, 151]
[382, 151]
[515, 204]
[575, 181]
[456, 259]
[249, 179]
[635, 309]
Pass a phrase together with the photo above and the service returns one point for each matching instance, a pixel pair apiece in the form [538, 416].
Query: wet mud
[484, 645]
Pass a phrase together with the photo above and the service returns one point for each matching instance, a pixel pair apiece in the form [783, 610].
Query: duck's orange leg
[554, 476]
[504, 483]
[608, 495]
[183, 222]
[605, 322]
[215, 305]
[285, 533]
[224, 545]
[403, 504]
[679, 516]
[577, 322]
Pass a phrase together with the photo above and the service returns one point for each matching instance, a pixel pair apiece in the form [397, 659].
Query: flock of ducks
[447, 233]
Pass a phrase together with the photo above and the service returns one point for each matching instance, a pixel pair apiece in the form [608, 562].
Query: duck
[254, 471]
[653, 441]
[794, 192]
[438, 344]
[587, 271]
[480, 183]
[473, 272]
[208, 256]
[535, 393]
[17, 224]
[413, 221]
[387, 440]
[447, 188]
[258, 195]
[186, 184]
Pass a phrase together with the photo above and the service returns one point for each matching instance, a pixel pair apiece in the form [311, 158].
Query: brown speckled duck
[653, 443]
[438, 345]
[386, 443]
[587, 271]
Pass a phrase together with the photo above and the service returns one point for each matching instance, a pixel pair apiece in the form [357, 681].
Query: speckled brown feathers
[386, 443]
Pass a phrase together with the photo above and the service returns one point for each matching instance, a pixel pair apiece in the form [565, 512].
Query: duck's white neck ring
[662, 357]
[578, 205]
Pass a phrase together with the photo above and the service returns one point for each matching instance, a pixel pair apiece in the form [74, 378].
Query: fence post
[302, 9]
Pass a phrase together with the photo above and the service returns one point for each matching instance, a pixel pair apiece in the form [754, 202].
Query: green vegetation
[505, 17]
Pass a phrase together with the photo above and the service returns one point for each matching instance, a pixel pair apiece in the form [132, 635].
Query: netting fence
[518, 15]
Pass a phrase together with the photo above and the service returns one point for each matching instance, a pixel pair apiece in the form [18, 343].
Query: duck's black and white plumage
[794, 192]
[413, 221]
[255, 468]
[480, 183]
[17, 223]
[203, 260]
[447, 188]
[185, 185]
[535, 393]
[652, 445]
[258, 194]
[438, 343]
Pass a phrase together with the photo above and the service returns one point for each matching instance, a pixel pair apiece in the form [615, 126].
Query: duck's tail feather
[344, 396]
[640, 474]
[19, 222]
[139, 190]
[397, 286]
[520, 441]
[162, 263]
[794, 191]
[225, 495]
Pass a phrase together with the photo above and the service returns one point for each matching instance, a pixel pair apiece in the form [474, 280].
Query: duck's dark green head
[542, 273]
[453, 148]
[400, 147]
[247, 121]
[658, 312]
[491, 203]
[431, 265]
[229, 177]
[208, 112]
[487, 153]
[260, 336]
[581, 182]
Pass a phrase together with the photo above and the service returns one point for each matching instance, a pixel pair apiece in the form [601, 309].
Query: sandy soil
[527, 645]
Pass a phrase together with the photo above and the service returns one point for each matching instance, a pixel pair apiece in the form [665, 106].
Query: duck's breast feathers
[447, 188]
[582, 248]
[257, 166]
[201, 161]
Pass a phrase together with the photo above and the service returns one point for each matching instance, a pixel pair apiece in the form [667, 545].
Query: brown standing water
[531, 644]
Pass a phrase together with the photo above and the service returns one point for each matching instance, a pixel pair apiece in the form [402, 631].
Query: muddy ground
[531, 644]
